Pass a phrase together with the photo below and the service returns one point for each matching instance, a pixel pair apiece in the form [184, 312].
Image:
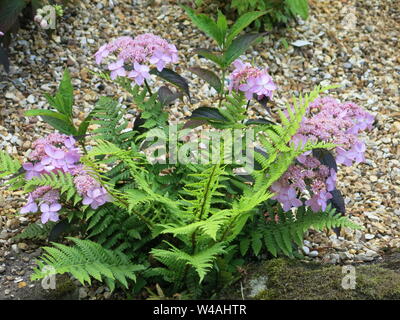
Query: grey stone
[313, 253]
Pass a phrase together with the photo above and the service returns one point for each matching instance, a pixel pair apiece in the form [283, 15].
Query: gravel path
[353, 43]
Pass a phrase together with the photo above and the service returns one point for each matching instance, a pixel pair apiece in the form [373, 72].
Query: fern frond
[87, 260]
[275, 138]
[203, 191]
[109, 115]
[202, 261]
[8, 165]
[290, 228]
[36, 231]
[64, 182]
[209, 227]
[10, 170]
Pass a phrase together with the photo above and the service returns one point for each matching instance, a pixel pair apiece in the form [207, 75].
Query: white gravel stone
[313, 253]
[306, 250]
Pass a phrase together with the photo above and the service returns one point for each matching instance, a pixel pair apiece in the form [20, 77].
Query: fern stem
[194, 241]
[207, 190]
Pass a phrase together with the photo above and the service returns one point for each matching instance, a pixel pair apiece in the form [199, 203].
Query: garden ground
[352, 43]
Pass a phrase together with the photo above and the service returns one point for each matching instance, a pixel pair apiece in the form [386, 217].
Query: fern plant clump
[151, 203]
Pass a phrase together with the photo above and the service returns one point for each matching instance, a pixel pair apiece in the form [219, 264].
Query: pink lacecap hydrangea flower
[251, 81]
[48, 200]
[326, 120]
[92, 192]
[54, 153]
[50, 212]
[135, 55]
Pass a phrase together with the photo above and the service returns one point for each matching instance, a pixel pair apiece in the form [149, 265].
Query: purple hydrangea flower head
[356, 154]
[133, 55]
[289, 199]
[31, 206]
[117, 69]
[102, 53]
[139, 73]
[47, 198]
[49, 212]
[328, 120]
[251, 81]
[331, 181]
[308, 171]
[96, 197]
[319, 201]
[92, 192]
[33, 170]
[54, 152]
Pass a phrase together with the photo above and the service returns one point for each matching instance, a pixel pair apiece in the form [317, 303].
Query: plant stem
[82, 143]
[222, 94]
[247, 108]
[194, 241]
[148, 87]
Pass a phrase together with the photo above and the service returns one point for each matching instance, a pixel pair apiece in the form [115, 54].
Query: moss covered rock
[65, 290]
[293, 280]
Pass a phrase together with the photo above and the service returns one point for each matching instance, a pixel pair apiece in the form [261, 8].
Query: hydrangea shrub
[185, 226]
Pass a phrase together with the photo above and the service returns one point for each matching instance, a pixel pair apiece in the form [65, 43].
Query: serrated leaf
[84, 126]
[66, 91]
[326, 158]
[60, 125]
[174, 78]
[49, 113]
[208, 76]
[256, 243]
[205, 24]
[337, 201]
[166, 96]
[243, 21]
[259, 121]
[207, 113]
[239, 46]
[222, 24]
[244, 246]
[205, 53]
[298, 7]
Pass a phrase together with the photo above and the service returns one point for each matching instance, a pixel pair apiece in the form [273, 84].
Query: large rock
[282, 279]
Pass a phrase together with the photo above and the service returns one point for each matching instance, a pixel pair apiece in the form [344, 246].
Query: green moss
[65, 289]
[294, 280]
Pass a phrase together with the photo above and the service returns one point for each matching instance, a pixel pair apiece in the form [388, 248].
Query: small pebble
[313, 253]
[369, 236]
[306, 250]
